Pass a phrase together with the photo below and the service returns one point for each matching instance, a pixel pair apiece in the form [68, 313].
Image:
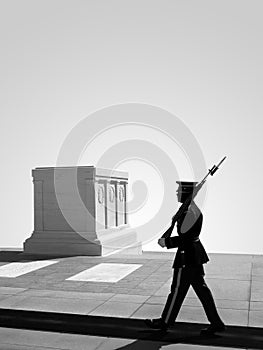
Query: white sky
[199, 60]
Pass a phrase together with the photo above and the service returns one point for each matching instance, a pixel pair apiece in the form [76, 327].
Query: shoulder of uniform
[193, 208]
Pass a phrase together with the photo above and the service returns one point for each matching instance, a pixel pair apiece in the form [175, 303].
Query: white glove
[161, 242]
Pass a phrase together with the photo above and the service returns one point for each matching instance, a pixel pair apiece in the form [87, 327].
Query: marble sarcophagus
[81, 210]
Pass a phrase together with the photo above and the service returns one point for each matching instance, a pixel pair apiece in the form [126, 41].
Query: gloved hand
[161, 242]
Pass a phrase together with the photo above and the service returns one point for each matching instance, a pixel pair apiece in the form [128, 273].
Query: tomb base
[53, 243]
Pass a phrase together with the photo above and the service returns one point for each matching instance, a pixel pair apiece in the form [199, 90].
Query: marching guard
[188, 264]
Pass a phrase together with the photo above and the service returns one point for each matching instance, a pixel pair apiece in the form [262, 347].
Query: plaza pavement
[235, 280]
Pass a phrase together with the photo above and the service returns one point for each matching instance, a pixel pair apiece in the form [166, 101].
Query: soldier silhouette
[188, 266]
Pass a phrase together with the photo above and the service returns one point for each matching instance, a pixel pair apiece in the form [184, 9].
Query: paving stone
[48, 279]
[16, 269]
[3, 297]
[133, 277]
[78, 306]
[129, 298]
[230, 269]
[157, 300]
[46, 340]
[140, 291]
[257, 258]
[130, 284]
[24, 347]
[139, 273]
[55, 276]
[257, 268]
[43, 272]
[97, 285]
[256, 291]
[229, 289]
[256, 305]
[14, 283]
[234, 317]
[255, 319]
[66, 294]
[220, 303]
[68, 285]
[151, 285]
[147, 290]
[73, 268]
[192, 314]
[147, 270]
[148, 311]
[106, 272]
[164, 290]
[157, 278]
[165, 267]
[116, 290]
[226, 258]
[258, 278]
[229, 316]
[158, 255]
[7, 282]
[45, 286]
[156, 263]
[11, 290]
[142, 276]
[115, 309]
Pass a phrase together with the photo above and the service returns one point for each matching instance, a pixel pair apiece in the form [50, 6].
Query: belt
[193, 241]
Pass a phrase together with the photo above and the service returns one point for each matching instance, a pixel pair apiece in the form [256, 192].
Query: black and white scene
[131, 135]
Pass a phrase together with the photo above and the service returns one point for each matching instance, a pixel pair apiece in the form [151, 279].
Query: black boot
[212, 329]
[156, 323]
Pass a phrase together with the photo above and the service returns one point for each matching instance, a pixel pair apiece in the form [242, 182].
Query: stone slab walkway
[20, 339]
[235, 280]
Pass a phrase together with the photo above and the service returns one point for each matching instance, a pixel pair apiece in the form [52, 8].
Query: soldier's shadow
[144, 344]
[160, 341]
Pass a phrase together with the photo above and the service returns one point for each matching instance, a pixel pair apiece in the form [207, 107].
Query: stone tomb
[81, 211]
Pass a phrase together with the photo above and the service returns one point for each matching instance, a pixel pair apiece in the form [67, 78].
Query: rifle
[188, 200]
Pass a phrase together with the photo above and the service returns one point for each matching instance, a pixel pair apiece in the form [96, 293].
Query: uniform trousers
[183, 277]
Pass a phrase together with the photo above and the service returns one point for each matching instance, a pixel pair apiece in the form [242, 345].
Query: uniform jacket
[190, 250]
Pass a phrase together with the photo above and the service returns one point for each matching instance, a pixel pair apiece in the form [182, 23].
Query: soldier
[188, 266]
